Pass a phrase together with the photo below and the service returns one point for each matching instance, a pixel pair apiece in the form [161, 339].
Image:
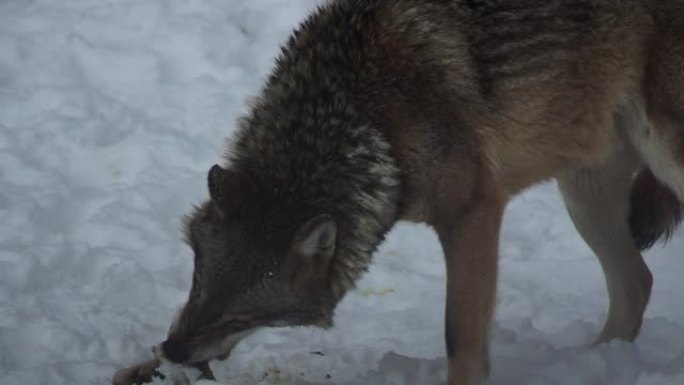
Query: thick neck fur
[306, 144]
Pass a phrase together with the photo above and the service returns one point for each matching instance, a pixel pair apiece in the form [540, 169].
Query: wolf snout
[175, 349]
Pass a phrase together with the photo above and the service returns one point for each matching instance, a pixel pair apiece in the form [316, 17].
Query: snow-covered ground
[111, 113]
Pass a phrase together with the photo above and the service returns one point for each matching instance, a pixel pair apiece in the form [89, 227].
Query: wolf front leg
[470, 241]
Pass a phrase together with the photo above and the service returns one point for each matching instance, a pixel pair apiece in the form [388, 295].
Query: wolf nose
[175, 350]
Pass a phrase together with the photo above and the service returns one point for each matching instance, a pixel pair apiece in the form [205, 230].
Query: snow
[112, 113]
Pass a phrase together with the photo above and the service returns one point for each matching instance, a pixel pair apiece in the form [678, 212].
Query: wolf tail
[655, 210]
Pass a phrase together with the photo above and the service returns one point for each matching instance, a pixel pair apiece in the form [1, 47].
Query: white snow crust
[112, 112]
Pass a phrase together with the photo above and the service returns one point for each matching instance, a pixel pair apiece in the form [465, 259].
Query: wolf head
[308, 193]
[255, 266]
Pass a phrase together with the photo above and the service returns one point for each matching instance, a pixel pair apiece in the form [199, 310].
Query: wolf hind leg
[598, 201]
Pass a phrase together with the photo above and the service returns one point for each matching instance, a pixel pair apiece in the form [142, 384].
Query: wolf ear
[218, 181]
[315, 242]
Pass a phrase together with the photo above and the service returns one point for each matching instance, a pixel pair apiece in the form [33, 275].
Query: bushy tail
[655, 210]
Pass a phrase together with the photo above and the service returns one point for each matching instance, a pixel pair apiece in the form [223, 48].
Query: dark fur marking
[655, 211]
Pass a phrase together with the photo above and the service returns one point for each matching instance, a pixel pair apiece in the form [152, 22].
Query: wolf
[439, 111]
